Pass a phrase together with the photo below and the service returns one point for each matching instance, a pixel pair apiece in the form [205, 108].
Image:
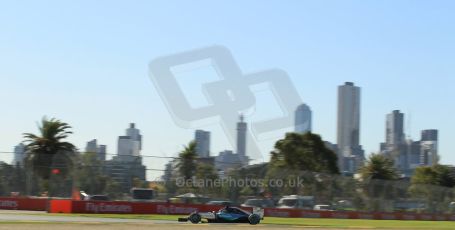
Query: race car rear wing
[259, 211]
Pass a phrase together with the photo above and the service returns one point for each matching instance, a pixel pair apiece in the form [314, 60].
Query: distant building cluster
[406, 153]
[223, 162]
[127, 164]
[100, 150]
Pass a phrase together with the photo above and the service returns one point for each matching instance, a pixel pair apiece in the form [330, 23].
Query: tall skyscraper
[348, 134]
[202, 139]
[19, 154]
[127, 165]
[134, 134]
[429, 135]
[395, 146]
[227, 160]
[131, 144]
[394, 128]
[348, 127]
[303, 119]
[429, 147]
[92, 146]
[100, 150]
[241, 137]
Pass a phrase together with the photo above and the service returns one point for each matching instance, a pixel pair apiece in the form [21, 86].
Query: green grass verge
[318, 223]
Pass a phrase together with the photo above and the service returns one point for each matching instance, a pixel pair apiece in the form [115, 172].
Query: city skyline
[133, 134]
[93, 74]
[348, 105]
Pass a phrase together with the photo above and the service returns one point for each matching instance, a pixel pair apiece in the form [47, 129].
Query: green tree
[12, 179]
[304, 152]
[439, 175]
[300, 158]
[90, 176]
[378, 167]
[113, 189]
[187, 161]
[434, 185]
[49, 149]
[378, 177]
[138, 183]
[209, 174]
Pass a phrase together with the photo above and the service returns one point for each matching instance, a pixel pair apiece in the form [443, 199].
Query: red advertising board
[16, 203]
[124, 207]
[184, 209]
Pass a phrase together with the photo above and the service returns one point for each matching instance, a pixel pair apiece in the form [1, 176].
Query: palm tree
[187, 161]
[378, 182]
[47, 152]
[379, 167]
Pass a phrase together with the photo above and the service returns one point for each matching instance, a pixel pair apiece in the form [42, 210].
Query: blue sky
[86, 62]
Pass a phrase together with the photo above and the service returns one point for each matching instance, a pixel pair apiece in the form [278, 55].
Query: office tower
[348, 116]
[93, 147]
[19, 154]
[227, 160]
[395, 145]
[102, 151]
[429, 147]
[303, 119]
[241, 137]
[134, 134]
[127, 165]
[202, 139]
[394, 128]
[131, 144]
[348, 127]
[429, 135]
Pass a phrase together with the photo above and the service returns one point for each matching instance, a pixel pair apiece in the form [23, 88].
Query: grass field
[314, 223]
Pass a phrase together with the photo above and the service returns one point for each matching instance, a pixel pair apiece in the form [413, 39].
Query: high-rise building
[127, 165]
[303, 119]
[429, 135]
[202, 139]
[227, 160]
[395, 145]
[394, 128]
[91, 146]
[129, 146]
[348, 126]
[348, 134]
[429, 147]
[134, 134]
[19, 154]
[100, 150]
[241, 137]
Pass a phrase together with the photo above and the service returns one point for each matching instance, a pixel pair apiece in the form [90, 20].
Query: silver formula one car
[226, 215]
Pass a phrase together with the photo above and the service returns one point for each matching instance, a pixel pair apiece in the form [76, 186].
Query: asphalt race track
[31, 216]
[29, 220]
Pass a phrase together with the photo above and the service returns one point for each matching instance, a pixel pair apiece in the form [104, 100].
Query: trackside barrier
[69, 206]
[19, 203]
[124, 207]
[293, 213]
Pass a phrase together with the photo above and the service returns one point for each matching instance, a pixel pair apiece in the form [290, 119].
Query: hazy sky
[86, 63]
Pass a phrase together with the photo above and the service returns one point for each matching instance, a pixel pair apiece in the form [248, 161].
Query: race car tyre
[195, 218]
[254, 219]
